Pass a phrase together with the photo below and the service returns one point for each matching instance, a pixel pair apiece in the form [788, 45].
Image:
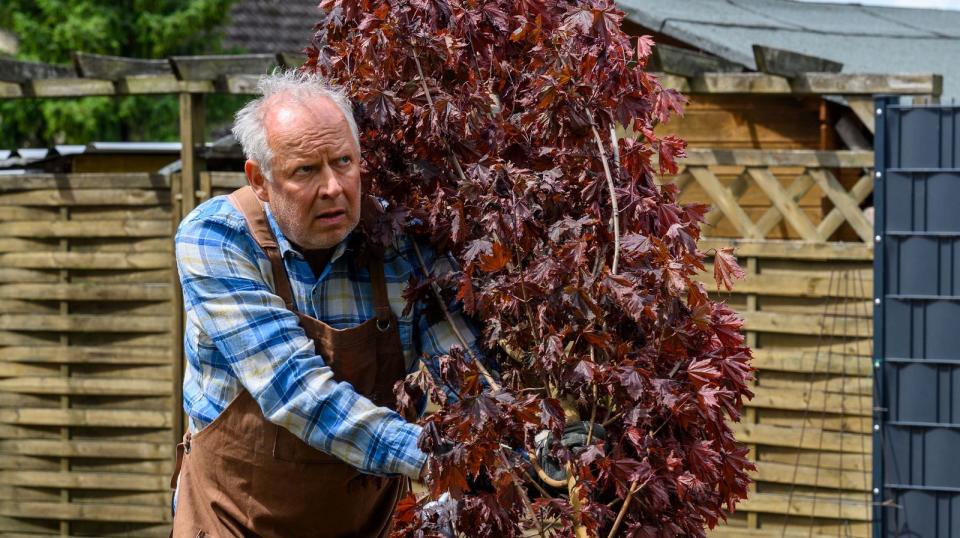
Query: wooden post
[185, 189]
[750, 414]
[65, 403]
[192, 124]
[176, 314]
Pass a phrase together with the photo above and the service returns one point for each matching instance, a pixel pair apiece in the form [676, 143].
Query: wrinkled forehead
[292, 120]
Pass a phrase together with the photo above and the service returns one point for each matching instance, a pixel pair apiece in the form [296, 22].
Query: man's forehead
[290, 107]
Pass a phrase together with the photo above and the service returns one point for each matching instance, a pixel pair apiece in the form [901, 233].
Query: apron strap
[381, 301]
[246, 201]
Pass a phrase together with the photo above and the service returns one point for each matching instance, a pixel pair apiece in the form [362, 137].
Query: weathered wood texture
[808, 312]
[787, 63]
[780, 194]
[86, 376]
[684, 70]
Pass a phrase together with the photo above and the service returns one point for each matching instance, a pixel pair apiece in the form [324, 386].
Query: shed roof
[269, 26]
[866, 39]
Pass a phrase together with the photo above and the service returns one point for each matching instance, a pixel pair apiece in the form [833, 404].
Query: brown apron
[242, 475]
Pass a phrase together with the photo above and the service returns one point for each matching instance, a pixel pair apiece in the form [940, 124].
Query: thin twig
[611, 419]
[446, 313]
[615, 145]
[426, 91]
[623, 509]
[593, 410]
[615, 217]
[456, 163]
[521, 492]
[573, 489]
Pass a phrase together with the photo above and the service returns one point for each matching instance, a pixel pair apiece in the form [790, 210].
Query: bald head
[288, 95]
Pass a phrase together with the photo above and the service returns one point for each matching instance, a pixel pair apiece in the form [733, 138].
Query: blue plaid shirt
[238, 334]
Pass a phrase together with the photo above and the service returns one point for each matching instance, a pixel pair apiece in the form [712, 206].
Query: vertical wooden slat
[750, 415]
[176, 315]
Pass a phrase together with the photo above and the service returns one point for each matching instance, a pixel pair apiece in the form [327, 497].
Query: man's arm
[276, 363]
[434, 335]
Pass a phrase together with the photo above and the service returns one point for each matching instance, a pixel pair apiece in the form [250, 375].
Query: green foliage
[50, 30]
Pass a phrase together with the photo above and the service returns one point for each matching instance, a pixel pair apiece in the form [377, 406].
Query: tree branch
[615, 217]
[446, 313]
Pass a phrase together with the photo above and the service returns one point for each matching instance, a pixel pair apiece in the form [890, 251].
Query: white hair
[249, 128]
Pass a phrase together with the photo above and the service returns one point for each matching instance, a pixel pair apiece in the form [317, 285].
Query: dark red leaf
[725, 268]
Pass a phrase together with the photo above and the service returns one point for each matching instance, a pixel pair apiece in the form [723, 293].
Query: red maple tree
[488, 126]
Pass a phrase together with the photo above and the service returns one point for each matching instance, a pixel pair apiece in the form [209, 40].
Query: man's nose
[330, 186]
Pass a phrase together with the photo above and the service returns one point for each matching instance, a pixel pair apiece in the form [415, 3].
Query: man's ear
[257, 180]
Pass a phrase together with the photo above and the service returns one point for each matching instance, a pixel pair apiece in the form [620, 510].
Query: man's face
[315, 192]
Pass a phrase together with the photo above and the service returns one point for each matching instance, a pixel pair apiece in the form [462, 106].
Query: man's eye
[305, 169]
[346, 159]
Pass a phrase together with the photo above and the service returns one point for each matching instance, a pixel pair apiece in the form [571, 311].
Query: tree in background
[50, 30]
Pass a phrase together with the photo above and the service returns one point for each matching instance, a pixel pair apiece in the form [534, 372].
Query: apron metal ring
[383, 325]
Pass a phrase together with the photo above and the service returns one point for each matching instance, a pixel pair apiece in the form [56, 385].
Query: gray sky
[939, 4]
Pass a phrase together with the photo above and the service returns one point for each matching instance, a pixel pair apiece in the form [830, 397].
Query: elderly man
[292, 336]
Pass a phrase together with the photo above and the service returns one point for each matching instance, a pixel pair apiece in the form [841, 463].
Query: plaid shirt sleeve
[435, 337]
[222, 274]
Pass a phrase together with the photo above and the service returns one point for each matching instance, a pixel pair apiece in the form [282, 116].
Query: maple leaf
[551, 416]
[671, 149]
[702, 372]
[631, 382]
[644, 47]
[580, 20]
[726, 269]
[476, 248]
[496, 260]
[625, 293]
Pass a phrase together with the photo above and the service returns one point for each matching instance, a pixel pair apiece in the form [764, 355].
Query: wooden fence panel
[808, 318]
[86, 377]
[88, 366]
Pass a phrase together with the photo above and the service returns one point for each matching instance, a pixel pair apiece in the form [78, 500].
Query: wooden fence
[86, 376]
[807, 311]
[807, 302]
[91, 323]
[89, 365]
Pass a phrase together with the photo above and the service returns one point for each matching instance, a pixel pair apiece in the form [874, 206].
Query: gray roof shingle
[265, 26]
[865, 39]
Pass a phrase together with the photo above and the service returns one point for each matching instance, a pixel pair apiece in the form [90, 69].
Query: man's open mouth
[332, 214]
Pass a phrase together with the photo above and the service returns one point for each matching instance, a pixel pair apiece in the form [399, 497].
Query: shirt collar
[285, 246]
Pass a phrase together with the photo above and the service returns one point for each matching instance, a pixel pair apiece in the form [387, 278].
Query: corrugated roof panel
[32, 153]
[859, 54]
[133, 147]
[70, 149]
[265, 26]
